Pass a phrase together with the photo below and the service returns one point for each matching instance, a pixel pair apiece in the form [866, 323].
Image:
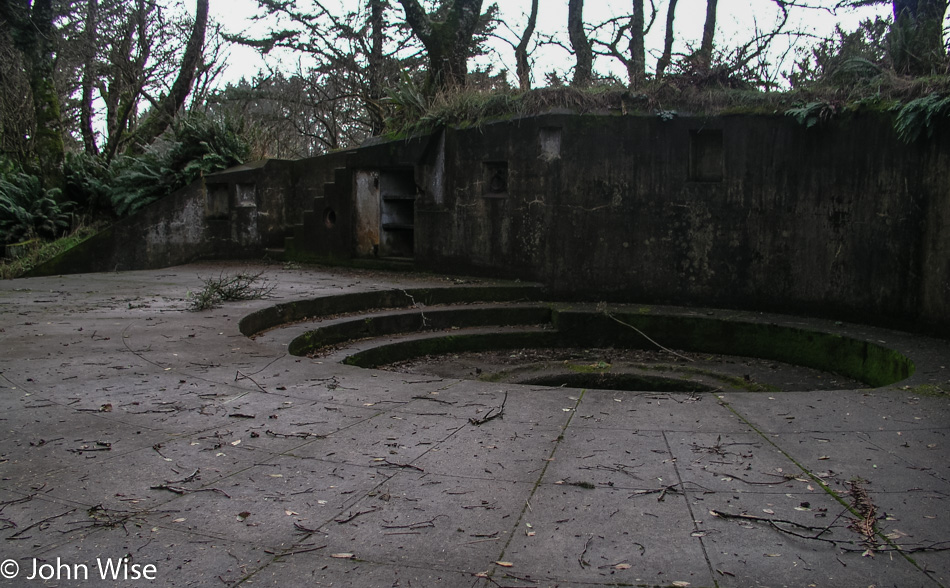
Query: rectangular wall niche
[245, 196]
[549, 139]
[705, 155]
[495, 179]
[216, 201]
[397, 190]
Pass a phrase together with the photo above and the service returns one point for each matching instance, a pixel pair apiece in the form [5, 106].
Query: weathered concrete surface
[132, 427]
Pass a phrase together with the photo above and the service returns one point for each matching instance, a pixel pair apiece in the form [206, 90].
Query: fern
[196, 146]
[27, 210]
[921, 114]
[812, 113]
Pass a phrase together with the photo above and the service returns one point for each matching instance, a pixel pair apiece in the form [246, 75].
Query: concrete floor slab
[224, 461]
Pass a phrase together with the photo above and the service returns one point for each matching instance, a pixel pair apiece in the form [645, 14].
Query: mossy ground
[43, 251]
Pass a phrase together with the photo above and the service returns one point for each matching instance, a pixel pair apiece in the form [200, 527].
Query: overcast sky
[737, 20]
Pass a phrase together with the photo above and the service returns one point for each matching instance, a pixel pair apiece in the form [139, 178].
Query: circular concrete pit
[510, 335]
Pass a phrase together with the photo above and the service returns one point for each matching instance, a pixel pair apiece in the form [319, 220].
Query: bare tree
[359, 49]
[31, 28]
[704, 56]
[448, 41]
[16, 101]
[521, 51]
[629, 29]
[664, 61]
[90, 40]
[583, 51]
[377, 60]
[165, 110]
[637, 64]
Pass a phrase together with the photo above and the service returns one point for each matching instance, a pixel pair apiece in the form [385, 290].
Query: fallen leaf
[768, 511]
[622, 567]
[276, 475]
[342, 555]
[181, 520]
[504, 564]
[773, 555]
[290, 513]
[824, 457]
[243, 515]
[681, 584]
[236, 443]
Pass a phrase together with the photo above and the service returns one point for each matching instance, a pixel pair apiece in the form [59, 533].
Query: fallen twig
[303, 529]
[491, 414]
[181, 491]
[354, 515]
[431, 399]
[16, 536]
[186, 479]
[413, 526]
[580, 559]
[774, 523]
[239, 376]
[301, 434]
[401, 465]
[296, 551]
[645, 336]
[7, 503]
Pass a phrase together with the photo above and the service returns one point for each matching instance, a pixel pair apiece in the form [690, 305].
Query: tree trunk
[637, 66]
[88, 78]
[704, 57]
[521, 51]
[377, 35]
[667, 55]
[447, 42]
[122, 95]
[583, 52]
[162, 114]
[915, 41]
[32, 32]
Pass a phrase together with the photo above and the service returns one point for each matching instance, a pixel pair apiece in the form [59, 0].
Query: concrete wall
[230, 214]
[758, 212]
[753, 212]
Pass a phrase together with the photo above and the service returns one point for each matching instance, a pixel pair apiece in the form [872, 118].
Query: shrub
[921, 115]
[196, 145]
[27, 210]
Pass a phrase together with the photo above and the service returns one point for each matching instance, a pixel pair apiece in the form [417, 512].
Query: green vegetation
[921, 115]
[195, 146]
[917, 106]
[95, 193]
[932, 390]
[39, 252]
[28, 210]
